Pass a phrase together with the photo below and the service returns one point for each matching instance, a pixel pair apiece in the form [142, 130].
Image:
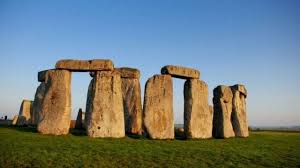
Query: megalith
[131, 93]
[15, 120]
[180, 72]
[25, 111]
[79, 119]
[106, 114]
[158, 117]
[85, 65]
[56, 105]
[37, 104]
[197, 115]
[239, 113]
[222, 127]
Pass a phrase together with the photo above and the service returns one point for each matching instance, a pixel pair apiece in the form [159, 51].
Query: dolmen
[158, 116]
[114, 106]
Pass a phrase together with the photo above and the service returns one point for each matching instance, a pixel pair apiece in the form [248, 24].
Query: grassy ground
[23, 147]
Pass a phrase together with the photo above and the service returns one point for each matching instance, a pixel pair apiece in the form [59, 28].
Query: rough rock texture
[22, 121]
[180, 72]
[85, 65]
[25, 109]
[239, 114]
[126, 72]
[222, 127]
[37, 104]
[79, 120]
[14, 120]
[42, 76]
[131, 92]
[158, 116]
[197, 116]
[88, 104]
[56, 106]
[106, 106]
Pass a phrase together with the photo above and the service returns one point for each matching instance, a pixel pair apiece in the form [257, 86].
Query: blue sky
[256, 43]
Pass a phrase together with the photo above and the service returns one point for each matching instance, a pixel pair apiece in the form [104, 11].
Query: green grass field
[24, 147]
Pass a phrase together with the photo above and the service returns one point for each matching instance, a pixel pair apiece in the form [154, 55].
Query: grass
[24, 147]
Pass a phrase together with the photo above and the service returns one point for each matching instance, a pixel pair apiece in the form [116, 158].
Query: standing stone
[25, 111]
[197, 116]
[158, 116]
[79, 124]
[239, 114]
[37, 104]
[88, 104]
[106, 106]
[15, 119]
[131, 93]
[222, 127]
[56, 106]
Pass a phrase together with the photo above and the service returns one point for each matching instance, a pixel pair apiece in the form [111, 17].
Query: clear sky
[256, 43]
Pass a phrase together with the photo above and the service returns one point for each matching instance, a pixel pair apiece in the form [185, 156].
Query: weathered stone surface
[179, 133]
[79, 120]
[211, 109]
[126, 72]
[25, 109]
[131, 92]
[197, 116]
[180, 72]
[15, 119]
[158, 116]
[56, 106]
[88, 104]
[85, 65]
[241, 88]
[239, 114]
[42, 76]
[22, 121]
[37, 104]
[222, 127]
[106, 109]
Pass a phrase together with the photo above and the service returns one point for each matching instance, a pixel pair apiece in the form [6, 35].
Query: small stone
[180, 72]
[14, 120]
[79, 120]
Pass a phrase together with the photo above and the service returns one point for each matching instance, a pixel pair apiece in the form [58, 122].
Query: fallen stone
[222, 127]
[239, 114]
[131, 93]
[126, 72]
[56, 106]
[158, 116]
[180, 72]
[85, 65]
[37, 104]
[106, 109]
[197, 116]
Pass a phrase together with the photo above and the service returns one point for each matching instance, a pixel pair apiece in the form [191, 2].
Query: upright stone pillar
[222, 127]
[56, 106]
[88, 103]
[25, 111]
[239, 114]
[131, 92]
[80, 117]
[158, 116]
[197, 115]
[106, 114]
[37, 104]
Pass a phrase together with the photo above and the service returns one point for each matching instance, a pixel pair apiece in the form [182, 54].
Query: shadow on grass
[77, 132]
[22, 129]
